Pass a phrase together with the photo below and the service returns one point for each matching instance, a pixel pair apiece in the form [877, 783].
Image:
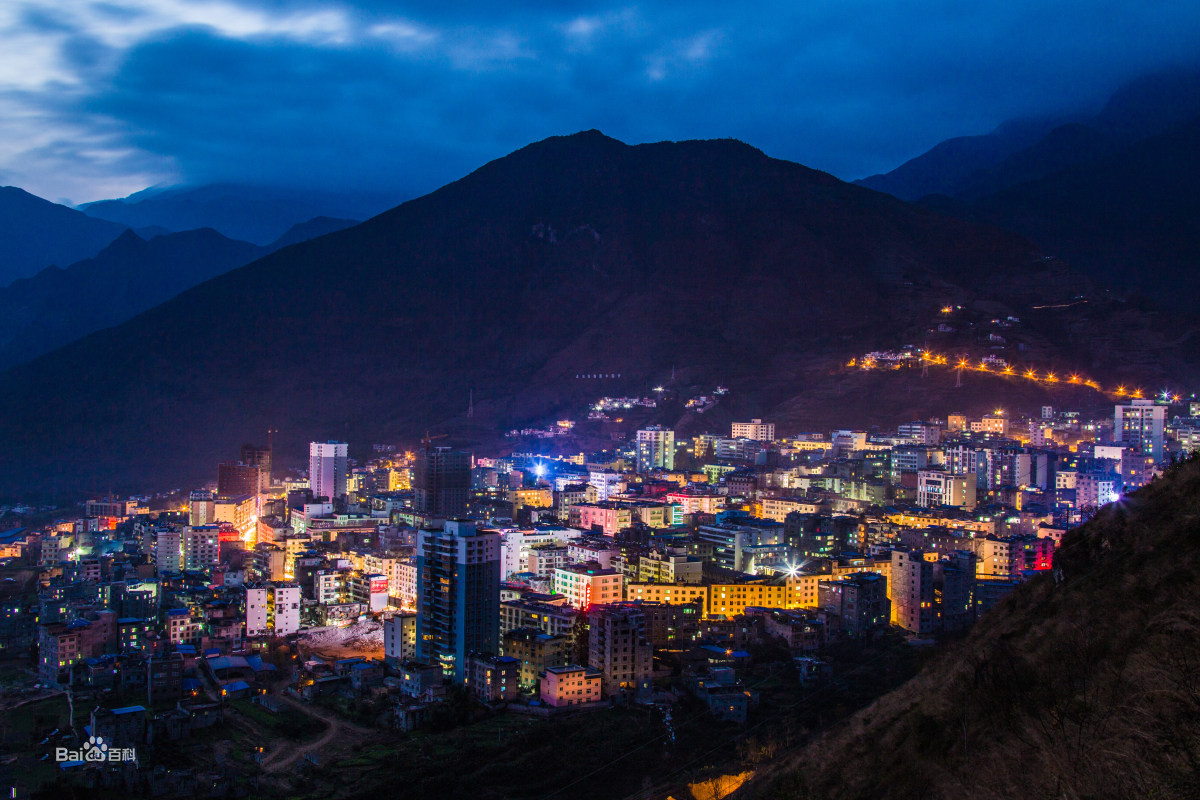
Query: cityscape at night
[599, 402]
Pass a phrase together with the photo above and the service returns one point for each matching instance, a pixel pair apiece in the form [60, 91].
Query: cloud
[96, 97]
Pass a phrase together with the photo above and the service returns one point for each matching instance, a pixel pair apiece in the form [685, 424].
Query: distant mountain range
[35, 233]
[255, 214]
[1114, 193]
[574, 256]
[57, 306]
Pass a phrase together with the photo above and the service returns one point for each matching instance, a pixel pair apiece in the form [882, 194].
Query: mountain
[37, 233]
[949, 166]
[57, 306]
[317, 226]
[1128, 219]
[1081, 684]
[573, 257]
[255, 214]
[1028, 150]
[136, 272]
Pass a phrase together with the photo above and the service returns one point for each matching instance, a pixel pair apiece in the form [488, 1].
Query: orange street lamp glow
[1050, 377]
[1008, 370]
[1030, 374]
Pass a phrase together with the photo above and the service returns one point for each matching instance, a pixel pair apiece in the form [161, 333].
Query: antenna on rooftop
[470, 403]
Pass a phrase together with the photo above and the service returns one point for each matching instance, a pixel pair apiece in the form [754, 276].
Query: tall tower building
[327, 469]
[236, 480]
[655, 448]
[441, 482]
[458, 595]
[1140, 425]
[258, 457]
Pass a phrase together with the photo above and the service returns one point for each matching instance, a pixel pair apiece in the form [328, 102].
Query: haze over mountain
[1114, 195]
[257, 214]
[57, 306]
[970, 167]
[36, 233]
[1081, 684]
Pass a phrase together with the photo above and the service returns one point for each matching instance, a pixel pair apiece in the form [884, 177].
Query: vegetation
[1085, 683]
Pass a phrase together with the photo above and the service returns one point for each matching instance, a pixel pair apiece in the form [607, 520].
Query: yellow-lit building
[777, 508]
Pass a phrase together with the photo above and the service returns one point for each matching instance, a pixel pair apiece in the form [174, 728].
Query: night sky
[99, 99]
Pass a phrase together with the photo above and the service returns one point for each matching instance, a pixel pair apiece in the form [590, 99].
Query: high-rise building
[619, 647]
[441, 482]
[458, 595]
[201, 510]
[1140, 424]
[258, 457]
[236, 479]
[327, 469]
[201, 547]
[655, 448]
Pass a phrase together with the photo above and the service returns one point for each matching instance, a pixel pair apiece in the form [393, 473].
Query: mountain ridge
[572, 256]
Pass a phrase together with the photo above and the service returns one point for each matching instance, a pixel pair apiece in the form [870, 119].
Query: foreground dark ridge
[1082, 684]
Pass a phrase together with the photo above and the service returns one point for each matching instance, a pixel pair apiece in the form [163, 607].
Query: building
[930, 595]
[1141, 424]
[201, 547]
[619, 647]
[200, 508]
[755, 429]
[260, 457]
[458, 595]
[857, 604]
[537, 651]
[441, 482]
[272, 609]
[585, 585]
[494, 679]
[327, 469]
[400, 638]
[937, 487]
[235, 479]
[168, 550]
[570, 686]
[655, 448]
[659, 567]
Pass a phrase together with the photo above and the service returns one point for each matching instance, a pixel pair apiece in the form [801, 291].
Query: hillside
[35, 233]
[1082, 684]
[573, 256]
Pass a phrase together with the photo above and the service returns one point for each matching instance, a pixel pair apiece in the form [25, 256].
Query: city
[426, 590]
[599, 400]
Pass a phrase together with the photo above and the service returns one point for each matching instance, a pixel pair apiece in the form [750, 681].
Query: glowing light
[1050, 377]
[1120, 391]
[999, 412]
[1074, 379]
[1008, 370]
[1030, 374]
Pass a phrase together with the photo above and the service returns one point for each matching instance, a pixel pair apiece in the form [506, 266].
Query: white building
[1141, 425]
[655, 448]
[327, 468]
[936, 487]
[755, 429]
[168, 550]
[201, 547]
[516, 544]
[400, 637]
[272, 609]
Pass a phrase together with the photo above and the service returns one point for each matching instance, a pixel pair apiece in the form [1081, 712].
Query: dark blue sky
[99, 99]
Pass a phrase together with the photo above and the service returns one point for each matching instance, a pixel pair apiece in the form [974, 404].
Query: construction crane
[427, 439]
